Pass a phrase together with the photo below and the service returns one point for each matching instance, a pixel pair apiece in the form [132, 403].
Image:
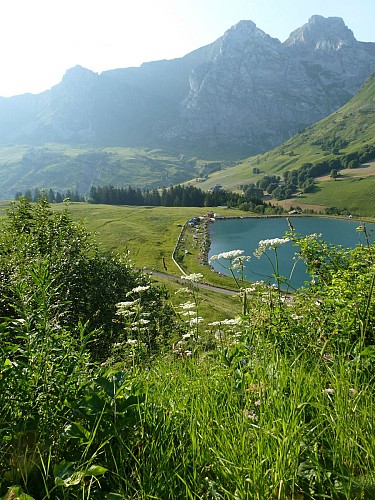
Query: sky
[41, 39]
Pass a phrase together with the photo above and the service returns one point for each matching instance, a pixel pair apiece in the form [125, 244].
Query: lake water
[245, 234]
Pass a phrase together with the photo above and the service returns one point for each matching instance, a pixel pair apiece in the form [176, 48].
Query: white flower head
[138, 289]
[238, 262]
[125, 308]
[270, 244]
[194, 277]
[195, 321]
[187, 305]
[189, 313]
[126, 304]
[142, 321]
[228, 322]
[232, 254]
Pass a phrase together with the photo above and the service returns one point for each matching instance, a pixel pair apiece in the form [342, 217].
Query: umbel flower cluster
[271, 244]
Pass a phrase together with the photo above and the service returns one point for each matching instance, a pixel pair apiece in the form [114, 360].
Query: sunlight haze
[42, 39]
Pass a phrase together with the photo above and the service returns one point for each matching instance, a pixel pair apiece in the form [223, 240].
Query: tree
[334, 174]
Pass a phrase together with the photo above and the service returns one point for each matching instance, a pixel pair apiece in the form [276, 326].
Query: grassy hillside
[347, 130]
[63, 167]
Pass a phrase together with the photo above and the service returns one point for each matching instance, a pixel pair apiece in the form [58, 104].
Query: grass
[352, 193]
[148, 233]
[269, 431]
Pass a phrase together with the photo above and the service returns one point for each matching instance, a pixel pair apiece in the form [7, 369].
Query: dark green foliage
[87, 283]
[50, 195]
[179, 196]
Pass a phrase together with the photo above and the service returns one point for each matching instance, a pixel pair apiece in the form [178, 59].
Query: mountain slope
[348, 131]
[244, 93]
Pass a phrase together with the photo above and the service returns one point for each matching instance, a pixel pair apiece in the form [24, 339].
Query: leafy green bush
[87, 284]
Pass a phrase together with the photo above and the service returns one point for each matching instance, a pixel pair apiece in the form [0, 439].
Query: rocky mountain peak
[244, 92]
[246, 32]
[321, 33]
[79, 76]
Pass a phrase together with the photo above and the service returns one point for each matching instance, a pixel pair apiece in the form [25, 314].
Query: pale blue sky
[41, 39]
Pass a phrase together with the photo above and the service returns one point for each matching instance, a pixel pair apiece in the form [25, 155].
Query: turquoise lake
[245, 234]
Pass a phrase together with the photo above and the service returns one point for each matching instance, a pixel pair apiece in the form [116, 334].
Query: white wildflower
[186, 336]
[132, 341]
[215, 323]
[187, 305]
[238, 262]
[189, 313]
[195, 321]
[232, 254]
[182, 290]
[270, 244]
[194, 277]
[126, 304]
[138, 289]
[143, 321]
[231, 322]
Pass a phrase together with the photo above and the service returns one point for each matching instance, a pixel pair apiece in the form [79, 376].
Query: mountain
[244, 93]
[345, 139]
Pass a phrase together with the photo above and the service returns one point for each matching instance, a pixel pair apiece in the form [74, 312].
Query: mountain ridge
[244, 93]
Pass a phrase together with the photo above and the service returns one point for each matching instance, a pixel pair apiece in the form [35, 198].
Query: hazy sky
[41, 39]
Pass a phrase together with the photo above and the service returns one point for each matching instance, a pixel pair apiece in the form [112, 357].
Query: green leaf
[95, 470]
[15, 492]
[369, 351]
[64, 469]
[76, 431]
[114, 496]
[108, 386]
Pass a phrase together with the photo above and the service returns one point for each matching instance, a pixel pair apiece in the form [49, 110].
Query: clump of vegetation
[277, 402]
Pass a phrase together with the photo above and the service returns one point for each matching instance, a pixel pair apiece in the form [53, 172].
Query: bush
[87, 284]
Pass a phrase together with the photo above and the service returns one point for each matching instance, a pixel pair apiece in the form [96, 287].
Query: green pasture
[149, 234]
[356, 194]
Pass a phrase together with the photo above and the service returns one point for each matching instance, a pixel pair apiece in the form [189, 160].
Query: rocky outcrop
[244, 93]
[257, 91]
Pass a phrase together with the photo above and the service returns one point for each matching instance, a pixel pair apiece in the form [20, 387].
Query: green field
[148, 233]
[354, 194]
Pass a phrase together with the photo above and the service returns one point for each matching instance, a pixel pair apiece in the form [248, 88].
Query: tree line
[49, 195]
[180, 196]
